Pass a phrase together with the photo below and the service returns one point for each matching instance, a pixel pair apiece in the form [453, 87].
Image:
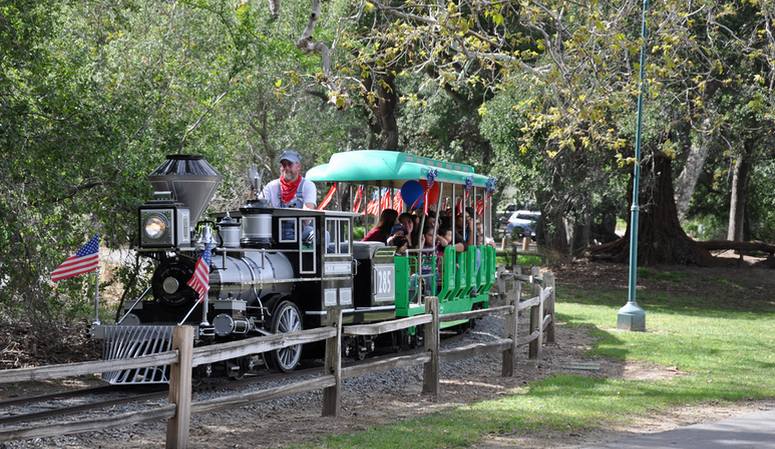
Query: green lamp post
[632, 317]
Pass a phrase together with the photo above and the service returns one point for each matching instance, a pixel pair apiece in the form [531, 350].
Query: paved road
[750, 431]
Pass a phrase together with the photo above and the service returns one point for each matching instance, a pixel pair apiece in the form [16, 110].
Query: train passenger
[291, 190]
[437, 242]
[401, 244]
[430, 269]
[445, 238]
[415, 235]
[404, 227]
[463, 230]
[381, 231]
[430, 220]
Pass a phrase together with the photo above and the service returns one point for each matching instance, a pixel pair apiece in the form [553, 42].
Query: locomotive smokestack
[190, 178]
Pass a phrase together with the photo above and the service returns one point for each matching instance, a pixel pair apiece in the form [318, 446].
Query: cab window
[338, 236]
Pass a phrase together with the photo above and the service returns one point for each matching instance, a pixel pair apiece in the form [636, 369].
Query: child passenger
[401, 244]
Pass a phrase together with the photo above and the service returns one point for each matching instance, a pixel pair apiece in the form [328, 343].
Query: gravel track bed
[363, 395]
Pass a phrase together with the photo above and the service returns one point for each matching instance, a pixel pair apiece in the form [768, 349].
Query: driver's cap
[290, 156]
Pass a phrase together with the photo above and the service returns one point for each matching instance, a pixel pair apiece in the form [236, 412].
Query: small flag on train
[328, 198]
[358, 199]
[85, 260]
[479, 207]
[200, 280]
[386, 198]
[398, 201]
[372, 207]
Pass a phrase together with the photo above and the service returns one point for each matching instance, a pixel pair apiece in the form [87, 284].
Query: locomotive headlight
[155, 226]
[162, 227]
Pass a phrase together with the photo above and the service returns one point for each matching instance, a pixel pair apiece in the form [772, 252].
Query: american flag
[358, 199]
[86, 260]
[328, 198]
[384, 203]
[398, 202]
[373, 207]
[200, 280]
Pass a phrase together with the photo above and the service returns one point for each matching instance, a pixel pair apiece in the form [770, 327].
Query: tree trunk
[383, 123]
[551, 231]
[661, 240]
[737, 199]
[586, 232]
[687, 180]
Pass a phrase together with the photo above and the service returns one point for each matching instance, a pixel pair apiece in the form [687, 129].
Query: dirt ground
[272, 425]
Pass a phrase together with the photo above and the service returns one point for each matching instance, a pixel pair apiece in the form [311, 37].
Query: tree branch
[307, 44]
[201, 118]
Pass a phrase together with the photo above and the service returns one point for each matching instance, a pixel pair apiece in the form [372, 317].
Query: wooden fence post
[514, 254]
[332, 398]
[512, 332]
[535, 272]
[549, 283]
[541, 299]
[430, 384]
[500, 283]
[180, 388]
[517, 284]
[534, 349]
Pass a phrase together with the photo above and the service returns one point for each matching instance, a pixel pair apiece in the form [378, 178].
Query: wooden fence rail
[184, 357]
[84, 368]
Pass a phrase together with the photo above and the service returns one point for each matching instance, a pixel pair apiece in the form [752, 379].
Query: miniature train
[277, 270]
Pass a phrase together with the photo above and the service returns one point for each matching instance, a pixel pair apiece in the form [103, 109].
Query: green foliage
[94, 94]
[706, 227]
[762, 200]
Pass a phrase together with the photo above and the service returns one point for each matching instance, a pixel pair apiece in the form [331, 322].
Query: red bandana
[288, 189]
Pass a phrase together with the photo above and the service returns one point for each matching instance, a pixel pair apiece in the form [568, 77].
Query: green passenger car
[466, 275]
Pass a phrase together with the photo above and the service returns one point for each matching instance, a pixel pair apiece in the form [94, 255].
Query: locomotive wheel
[286, 318]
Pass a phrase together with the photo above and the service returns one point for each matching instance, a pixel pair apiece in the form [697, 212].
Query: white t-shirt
[308, 191]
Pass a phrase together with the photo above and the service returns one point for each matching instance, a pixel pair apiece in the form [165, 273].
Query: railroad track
[74, 409]
[58, 395]
[156, 392]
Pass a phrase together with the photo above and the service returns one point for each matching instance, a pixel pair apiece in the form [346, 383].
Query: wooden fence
[184, 357]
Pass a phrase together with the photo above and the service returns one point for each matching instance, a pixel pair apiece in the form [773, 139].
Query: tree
[94, 94]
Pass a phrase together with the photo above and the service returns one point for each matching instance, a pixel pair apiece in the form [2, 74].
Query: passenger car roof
[390, 168]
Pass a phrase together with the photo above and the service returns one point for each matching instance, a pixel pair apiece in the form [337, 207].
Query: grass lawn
[726, 350]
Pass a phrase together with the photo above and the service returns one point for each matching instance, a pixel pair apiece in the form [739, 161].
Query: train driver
[291, 189]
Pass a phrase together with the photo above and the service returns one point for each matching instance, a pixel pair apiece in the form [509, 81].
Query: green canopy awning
[390, 168]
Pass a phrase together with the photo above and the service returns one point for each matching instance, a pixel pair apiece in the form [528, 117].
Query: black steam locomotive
[272, 271]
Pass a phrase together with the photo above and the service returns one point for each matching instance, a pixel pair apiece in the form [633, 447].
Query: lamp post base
[631, 318]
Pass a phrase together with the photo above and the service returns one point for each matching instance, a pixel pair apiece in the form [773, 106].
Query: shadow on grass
[560, 403]
[669, 303]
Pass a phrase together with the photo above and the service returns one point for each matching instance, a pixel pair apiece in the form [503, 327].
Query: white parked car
[523, 222]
